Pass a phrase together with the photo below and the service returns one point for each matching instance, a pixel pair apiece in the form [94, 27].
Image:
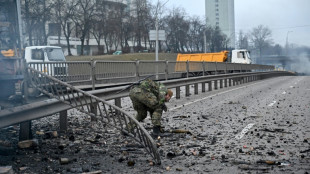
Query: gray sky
[280, 16]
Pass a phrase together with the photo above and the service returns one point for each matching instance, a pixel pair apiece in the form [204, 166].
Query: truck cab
[43, 54]
[241, 56]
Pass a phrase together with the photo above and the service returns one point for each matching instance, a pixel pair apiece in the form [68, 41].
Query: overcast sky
[281, 16]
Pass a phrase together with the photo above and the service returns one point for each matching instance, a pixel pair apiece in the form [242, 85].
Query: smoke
[301, 64]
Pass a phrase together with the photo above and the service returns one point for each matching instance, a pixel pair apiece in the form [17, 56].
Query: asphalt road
[232, 130]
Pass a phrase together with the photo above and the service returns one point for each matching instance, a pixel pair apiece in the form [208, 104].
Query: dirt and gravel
[258, 127]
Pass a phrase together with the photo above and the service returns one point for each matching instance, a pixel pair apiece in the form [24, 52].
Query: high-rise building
[221, 13]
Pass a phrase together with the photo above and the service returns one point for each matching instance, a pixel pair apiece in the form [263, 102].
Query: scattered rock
[131, 163]
[28, 143]
[64, 160]
[94, 172]
[6, 170]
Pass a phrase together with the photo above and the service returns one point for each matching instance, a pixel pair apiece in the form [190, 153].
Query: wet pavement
[258, 127]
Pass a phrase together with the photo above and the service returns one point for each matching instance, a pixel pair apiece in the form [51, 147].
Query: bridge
[67, 83]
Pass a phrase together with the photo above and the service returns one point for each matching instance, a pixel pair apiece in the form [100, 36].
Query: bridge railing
[100, 72]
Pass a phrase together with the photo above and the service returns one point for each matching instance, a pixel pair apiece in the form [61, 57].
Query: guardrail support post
[210, 86]
[229, 82]
[196, 88]
[203, 87]
[203, 68]
[118, 102]
[221, 83]
[137, 70]
[187, 90]
[178, 91]
[167, 70]
[25, 132]
[225, 67]
[93, 74]
[26, 80]
[187, 69]
[225, 83]
[63, 120]
[93, 109]
[215, 84]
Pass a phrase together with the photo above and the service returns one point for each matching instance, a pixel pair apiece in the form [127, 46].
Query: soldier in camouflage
[150, 96]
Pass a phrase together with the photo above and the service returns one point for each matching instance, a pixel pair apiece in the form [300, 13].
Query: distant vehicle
[237, 56]
[11, 66]
[117, 53]
[12, 59]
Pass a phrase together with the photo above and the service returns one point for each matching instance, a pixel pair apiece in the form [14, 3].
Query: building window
[216, 14]
[53, 29]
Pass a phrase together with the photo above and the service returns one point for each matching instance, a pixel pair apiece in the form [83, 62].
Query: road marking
[198, 100]
[284, 92]
[244, 131]
[291, 86]
[271, 104]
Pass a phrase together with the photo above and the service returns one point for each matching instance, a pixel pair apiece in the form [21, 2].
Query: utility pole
[287, 46]
[156, 28]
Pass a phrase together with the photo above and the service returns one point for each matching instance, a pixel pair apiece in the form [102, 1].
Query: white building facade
[221, 13]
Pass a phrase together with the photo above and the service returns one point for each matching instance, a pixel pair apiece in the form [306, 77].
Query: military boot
[156, 132]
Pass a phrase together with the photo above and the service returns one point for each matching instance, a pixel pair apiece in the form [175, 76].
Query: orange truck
[237, 56]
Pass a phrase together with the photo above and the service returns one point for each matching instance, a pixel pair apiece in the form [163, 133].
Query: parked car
[117, 53]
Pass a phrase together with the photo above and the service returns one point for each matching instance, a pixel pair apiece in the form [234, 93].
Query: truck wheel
[32, 91]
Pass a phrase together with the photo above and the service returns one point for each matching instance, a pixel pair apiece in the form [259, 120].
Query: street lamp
[287, 41]
[156, 28]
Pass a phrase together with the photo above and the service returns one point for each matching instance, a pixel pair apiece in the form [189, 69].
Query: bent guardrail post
[107, 113]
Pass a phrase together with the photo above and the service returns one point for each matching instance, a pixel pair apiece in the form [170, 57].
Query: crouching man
[150, 96]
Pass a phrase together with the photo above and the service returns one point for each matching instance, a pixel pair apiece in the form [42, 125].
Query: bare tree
[99, 23]
[243, 40]
[177, 28]
[261, 38]
[63, 15]
[37, 13]
[140, 13]
[83, 17]
[196, 34]
[217, 41]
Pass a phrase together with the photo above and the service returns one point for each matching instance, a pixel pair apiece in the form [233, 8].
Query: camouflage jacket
[156, 88]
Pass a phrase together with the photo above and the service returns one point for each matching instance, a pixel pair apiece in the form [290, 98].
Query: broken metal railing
[85, 102]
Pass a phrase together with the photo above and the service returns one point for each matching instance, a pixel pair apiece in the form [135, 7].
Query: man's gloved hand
[164, 107]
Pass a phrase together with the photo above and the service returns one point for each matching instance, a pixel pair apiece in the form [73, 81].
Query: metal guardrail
[95, 107]
[99, 72]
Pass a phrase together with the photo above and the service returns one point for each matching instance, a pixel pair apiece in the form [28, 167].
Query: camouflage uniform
[148, 96]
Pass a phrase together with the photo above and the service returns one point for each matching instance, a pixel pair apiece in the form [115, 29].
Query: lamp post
[287, 41]
[156, 28]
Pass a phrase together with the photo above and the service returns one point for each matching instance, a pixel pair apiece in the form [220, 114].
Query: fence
[100, 72]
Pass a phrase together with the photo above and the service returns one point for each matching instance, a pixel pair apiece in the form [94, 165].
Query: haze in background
[280, 16]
